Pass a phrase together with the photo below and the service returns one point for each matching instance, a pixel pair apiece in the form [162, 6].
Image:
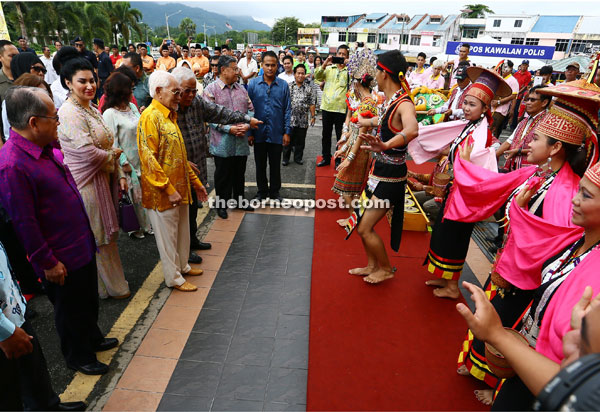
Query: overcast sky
[309, 11]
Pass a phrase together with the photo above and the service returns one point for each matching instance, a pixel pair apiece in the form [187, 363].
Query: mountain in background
[154, 16]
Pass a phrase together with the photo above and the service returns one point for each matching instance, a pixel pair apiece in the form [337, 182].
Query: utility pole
[167, 20]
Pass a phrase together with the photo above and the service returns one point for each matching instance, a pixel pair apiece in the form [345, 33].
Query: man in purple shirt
[41, 197]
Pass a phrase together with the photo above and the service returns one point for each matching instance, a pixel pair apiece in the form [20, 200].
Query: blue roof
[364, 24]
[555, 24]
[443, 25]
[375, 16]
[414, 20]
[393, 24]
[347, 20]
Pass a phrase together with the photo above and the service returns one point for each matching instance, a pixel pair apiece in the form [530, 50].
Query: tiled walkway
[241, 341]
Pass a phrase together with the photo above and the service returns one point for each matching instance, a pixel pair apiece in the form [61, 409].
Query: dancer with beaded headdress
[564, 144]
[450, 239]
[352, 171]
[397, 125]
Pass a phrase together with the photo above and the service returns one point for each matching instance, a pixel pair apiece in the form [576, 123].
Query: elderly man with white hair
[166, 179]
[435, 80]
[194, 111]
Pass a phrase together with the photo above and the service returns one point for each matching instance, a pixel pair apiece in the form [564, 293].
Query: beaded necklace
[96, 115]
[552, 277]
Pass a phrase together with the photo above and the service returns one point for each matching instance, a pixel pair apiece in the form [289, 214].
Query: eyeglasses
[531, 99]
[78, 44]
[213, 65]
[55, 118]
[39, 69]
[176, 92]
[192, 91]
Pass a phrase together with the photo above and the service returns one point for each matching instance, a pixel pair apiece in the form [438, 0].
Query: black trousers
[331, 119]
[25, 382]
[515, 118]
[297, 140]
[76, 314]
[17, 256]
[230, 176]
[513, 396]
[193, 214]
[272, 152]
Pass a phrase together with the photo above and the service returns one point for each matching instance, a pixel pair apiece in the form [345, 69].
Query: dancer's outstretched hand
[485, 322]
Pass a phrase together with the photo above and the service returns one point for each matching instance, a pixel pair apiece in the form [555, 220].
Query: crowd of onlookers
[102, 140]
[96, 141]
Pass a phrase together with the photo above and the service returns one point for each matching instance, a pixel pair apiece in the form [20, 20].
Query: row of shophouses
[431, 33]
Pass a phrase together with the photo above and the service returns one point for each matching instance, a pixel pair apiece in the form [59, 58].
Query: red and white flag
[228, 26]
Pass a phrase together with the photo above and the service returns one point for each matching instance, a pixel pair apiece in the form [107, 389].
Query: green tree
[94, 22]
[285, 30]
[476, 10]
[187, 26]
[199, 38]
[123, 20]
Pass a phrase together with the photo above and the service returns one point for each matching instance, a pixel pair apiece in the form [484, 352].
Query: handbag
[127, 218]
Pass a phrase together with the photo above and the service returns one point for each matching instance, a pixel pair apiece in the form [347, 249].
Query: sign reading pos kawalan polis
[503, 50]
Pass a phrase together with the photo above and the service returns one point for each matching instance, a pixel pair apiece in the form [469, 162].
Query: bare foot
[446, 293]
[342, 222]
[437, 282]
[362, 271]
[379, 276]
[484, 396]
[463, 371]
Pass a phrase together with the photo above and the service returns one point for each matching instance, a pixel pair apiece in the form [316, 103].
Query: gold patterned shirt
[163, 159]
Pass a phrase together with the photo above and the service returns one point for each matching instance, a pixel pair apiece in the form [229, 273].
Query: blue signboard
[504, 50]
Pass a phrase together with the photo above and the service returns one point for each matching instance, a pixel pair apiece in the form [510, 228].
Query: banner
[3, 29]
[503, 50]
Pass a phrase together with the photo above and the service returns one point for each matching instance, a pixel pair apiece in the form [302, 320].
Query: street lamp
[167, 20]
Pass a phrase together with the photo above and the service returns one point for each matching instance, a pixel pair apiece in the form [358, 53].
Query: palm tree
[187, 26]
[123, 19]
[94, 21]
[70, 19]
[474, 11]
[17, 12]
[44, 19]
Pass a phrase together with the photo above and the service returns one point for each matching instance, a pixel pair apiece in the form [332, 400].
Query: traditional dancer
[564, 279]
[450, 239]
[387, 178]
[352, 171]
[558, 142]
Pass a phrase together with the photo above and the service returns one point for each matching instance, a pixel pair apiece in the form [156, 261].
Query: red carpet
[391, 346]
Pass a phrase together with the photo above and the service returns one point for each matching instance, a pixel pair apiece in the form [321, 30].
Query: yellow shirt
[163, 159]
[165, 63]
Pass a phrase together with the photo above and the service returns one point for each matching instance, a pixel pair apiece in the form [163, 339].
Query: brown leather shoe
[193, 272]
[186, 287]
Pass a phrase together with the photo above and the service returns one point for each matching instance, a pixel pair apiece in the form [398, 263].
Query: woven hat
[362, 62]
[573, 117]
[593, 174]
[486, 84]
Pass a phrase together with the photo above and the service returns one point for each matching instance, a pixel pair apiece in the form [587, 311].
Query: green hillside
[154, 16]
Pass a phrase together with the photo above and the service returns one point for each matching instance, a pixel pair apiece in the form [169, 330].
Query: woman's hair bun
[62, 56]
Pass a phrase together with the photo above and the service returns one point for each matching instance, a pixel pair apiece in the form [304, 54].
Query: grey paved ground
[249, 347]
[140, 256]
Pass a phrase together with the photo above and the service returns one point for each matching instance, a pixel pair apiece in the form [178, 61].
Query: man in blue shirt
[23, 46]
[271, 99]
[105, 66]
